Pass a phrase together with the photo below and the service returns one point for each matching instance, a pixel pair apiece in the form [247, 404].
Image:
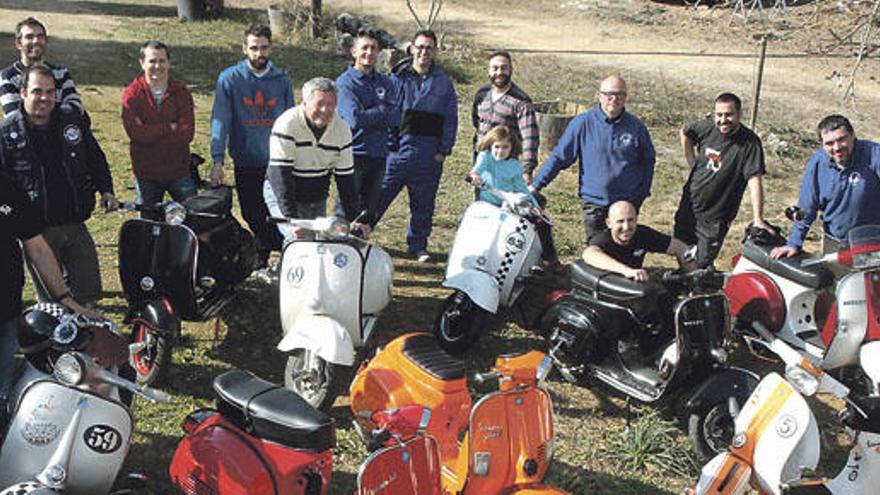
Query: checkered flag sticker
[54, 309]
[29, 487]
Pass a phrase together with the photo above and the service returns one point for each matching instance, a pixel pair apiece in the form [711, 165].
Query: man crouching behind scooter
[622, 248]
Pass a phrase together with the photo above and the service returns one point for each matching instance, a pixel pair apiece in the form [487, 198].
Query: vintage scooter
[332, 287]
[657, 342]
[495, 253]
[264, 439]
[796, 299]
[501, 444]
[180, 261]
[69, 432]
[777, 443]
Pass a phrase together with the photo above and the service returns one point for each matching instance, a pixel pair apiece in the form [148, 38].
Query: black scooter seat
[613, 287]
[814, 277]
[424, 351]
[272, 412]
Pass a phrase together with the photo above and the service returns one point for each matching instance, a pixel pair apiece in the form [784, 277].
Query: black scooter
[657, 342]
[180, 261]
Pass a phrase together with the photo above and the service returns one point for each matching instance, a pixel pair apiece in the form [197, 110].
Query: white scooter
[69, 432]
[776, 442]
[332, 286]
[495, 250]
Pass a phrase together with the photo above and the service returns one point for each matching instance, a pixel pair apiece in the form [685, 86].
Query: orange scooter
[502, 444]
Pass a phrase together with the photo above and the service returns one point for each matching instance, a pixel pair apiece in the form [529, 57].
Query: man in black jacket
[51, 153]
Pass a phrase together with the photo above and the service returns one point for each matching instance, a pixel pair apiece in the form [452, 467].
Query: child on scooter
[497, 167]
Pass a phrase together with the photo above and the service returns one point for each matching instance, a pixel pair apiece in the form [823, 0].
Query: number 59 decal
[103, 439]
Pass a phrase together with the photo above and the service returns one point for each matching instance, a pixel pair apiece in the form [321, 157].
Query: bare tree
[433, 11]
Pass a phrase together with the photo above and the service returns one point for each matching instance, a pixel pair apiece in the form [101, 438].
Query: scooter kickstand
[215, 341]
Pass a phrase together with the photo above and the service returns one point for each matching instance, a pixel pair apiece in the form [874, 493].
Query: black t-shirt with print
[18, 221]
[724, 165]
[646, 240]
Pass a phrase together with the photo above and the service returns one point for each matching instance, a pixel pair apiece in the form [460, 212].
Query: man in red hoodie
[157, 112]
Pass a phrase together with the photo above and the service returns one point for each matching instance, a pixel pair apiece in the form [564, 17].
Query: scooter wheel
[151, 361]
[314, 379]
[459, 323]
[711, 431]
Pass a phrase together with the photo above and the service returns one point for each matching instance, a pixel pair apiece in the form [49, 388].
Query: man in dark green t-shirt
[724, 157]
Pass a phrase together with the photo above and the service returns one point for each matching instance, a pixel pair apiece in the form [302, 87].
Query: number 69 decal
[103, 439]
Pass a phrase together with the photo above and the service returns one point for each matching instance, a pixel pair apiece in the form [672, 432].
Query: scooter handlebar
[487, 376]
[150, 394]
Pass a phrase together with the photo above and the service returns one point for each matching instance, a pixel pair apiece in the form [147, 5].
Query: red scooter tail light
[194, 419]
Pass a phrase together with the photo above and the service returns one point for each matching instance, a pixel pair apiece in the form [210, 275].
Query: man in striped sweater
[309, 143]
[31, 41]
[503, 103]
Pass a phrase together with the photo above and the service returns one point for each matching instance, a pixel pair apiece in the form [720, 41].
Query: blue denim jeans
[304, 210]
[8, 348]
[151, 192]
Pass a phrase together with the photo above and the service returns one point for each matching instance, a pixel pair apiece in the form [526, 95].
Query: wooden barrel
[553, 117]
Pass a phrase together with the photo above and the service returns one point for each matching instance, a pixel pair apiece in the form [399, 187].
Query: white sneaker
[422, 256]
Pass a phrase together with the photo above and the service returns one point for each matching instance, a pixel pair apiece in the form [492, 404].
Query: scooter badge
[340, 260]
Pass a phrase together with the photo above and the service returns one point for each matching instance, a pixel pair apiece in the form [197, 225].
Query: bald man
[623, 246]
[615, 154]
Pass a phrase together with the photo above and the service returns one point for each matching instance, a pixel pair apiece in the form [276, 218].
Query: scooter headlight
[802, 380]
[175, 213]
[69, 370]
[523, 206]
[338, 227]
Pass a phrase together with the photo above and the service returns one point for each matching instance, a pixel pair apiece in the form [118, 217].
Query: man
[157, 112]
[503, 103]
[623, 246]
[368, 105]
[843, 181]
[50, 152]
[31, 40]
[20, 222]
[423, 141]
[724, 157]
[309, 143]
[250, 96]
[615, 155]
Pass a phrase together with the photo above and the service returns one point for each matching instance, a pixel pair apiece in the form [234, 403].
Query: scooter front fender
[479, 286]
[322, 335]
[729, 382]
[156, 314]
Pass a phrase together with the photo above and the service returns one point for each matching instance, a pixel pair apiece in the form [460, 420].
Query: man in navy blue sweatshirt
[843, 181]
[367, 103]
[615, 155]
[250, 96]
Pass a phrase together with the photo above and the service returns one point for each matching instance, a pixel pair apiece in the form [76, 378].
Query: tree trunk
[316, 18]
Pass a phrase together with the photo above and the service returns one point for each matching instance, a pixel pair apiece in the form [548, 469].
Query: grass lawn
[98, 40]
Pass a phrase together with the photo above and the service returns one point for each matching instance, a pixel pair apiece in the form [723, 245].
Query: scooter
[777, 444]
[332, 287]
[179, 262]
[69, 431]
[264, 439]
[501, 444]
[661, 343]
[797, 299]
[495, 253]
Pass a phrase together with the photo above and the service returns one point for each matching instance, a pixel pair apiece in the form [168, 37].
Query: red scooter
[263, 439]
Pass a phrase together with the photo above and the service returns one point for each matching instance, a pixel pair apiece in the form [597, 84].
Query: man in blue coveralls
[843, 180]
[615, 155]
[422, 142]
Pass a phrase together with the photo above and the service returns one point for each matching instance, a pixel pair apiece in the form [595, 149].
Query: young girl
[498, 168]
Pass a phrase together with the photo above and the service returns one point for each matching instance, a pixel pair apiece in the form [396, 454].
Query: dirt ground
[803, 89]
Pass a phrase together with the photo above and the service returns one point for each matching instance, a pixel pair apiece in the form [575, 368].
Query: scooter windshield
[864, 246]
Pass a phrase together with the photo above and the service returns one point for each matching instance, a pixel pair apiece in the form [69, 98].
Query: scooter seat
[814, 277]
[424, 351]
[614, 288]
[272, 412]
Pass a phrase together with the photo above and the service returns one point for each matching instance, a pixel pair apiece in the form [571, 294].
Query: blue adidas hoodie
[245, 107]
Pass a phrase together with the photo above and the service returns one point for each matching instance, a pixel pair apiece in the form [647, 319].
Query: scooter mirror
[795, 213]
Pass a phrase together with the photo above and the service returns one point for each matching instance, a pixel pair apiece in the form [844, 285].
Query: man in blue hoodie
[250, 96]
[615, 155]
[422, 142]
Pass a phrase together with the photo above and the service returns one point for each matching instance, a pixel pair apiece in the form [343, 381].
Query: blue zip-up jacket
[616, 158]
[848, 197]
[245, 107]
[504, 175]
[429, 113]
[368, 104]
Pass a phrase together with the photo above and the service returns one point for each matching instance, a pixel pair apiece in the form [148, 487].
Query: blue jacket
[504, 175]
[367, 103]
[245, 107]
[848, 197]
[616, 158]
[429, 114]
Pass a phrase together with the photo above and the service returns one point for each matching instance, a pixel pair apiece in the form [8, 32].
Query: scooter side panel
[852, 322]
[515, 431]
[321, 278]
[724, 475]
[861, 475]
[40, 421]
[409, 468]
[378, 280]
